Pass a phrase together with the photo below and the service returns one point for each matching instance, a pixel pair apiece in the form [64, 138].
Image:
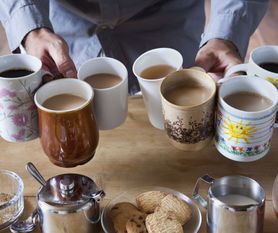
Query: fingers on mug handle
[46, 76]
[233, 70]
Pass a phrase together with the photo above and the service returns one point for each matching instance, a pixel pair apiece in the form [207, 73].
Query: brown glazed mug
[68, 136]
[188, 104]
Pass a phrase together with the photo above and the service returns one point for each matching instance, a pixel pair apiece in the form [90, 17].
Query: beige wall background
[266, 33]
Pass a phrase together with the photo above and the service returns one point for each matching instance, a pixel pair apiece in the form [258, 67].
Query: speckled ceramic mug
[189, 127]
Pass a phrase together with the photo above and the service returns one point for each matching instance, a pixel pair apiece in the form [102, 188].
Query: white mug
[151, 87]
[110, 104]
[18, 113]
[264, 54]
[245, 136]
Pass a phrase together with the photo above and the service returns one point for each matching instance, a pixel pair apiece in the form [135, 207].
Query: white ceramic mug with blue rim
[240, 135]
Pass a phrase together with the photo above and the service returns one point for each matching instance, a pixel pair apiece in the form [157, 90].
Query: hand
[52, 50]
[217, 56]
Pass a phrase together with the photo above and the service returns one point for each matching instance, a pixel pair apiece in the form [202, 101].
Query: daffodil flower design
[273, 80]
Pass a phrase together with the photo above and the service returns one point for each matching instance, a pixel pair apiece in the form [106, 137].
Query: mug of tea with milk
[109, 79]
[68, 131]
[263, 62]
[150, 69]
[245, 118]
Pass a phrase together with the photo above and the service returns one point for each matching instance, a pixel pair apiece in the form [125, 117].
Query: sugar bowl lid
[69, 191]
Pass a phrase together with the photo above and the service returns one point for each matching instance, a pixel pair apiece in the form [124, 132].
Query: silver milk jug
[235, 204]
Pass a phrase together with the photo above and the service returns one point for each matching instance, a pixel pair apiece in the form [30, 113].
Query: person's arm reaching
[27, 22]
[225, 40]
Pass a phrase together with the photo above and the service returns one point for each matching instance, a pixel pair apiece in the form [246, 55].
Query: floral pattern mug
[18, 113]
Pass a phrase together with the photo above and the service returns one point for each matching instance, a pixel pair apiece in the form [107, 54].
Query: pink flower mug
[18, 113]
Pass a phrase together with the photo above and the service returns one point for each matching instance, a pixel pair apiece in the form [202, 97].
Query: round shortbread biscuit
[171, 203]
[121, 213]
[136, 225]
[148, 201]
[163, 222]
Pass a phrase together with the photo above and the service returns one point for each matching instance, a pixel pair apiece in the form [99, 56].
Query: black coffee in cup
[270, 66]
[15, 73]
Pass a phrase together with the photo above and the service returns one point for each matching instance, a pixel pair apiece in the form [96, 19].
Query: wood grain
[136, 154]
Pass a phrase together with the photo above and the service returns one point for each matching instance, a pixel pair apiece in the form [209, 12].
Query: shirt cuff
[22, 21]
[228, 27]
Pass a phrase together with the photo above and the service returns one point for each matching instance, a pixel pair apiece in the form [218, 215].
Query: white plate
[192, 226]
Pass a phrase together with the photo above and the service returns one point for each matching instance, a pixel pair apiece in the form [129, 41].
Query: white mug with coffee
[109, 79]
[150, 69]
[263, 62]
[245, 117]
[20, 77]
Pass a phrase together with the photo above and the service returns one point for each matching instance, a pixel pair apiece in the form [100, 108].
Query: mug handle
[208, 180]
[234, 69]
[46, 76]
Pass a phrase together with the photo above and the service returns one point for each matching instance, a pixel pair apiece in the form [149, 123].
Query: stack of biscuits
[156, 212]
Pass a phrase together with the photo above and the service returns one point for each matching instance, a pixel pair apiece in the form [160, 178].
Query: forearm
[234, 21]
[19, 17]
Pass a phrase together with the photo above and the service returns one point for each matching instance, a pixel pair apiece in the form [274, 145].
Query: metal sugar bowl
[66, 203]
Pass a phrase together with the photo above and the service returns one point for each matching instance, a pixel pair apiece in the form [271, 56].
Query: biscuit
[148, 201]
[163, 222]
[121, 213]
[181, 209]
[136, 225]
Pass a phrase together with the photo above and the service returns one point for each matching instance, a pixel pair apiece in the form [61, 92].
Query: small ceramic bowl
[11, 198]
[192, 226]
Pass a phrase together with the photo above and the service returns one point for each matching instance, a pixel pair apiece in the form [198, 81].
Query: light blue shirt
[127, 28]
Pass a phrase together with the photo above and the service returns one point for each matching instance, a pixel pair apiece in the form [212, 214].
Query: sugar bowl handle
[208, 180]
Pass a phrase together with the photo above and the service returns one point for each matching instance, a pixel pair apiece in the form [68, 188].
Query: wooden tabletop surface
[136, 154]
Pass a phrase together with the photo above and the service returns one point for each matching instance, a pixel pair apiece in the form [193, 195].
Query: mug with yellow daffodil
[245, 134]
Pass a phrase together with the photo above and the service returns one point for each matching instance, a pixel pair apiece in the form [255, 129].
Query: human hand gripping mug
[263, 62]
[109, 79]
[20, 76]
[150, 69]
[245, 118]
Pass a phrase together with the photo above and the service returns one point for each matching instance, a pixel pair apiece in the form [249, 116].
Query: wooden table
[136, 154]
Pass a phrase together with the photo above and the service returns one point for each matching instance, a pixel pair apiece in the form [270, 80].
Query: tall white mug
[151, 87]
[110, 104]
[18, 112]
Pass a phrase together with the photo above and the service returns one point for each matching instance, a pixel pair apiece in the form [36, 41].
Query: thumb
[205, 60]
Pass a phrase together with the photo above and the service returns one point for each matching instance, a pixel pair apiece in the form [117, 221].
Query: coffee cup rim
[189, 106]
[151, 51]
[54, 82]
[238, 111]
[123, 78]
[255, 63]
[26, 76]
